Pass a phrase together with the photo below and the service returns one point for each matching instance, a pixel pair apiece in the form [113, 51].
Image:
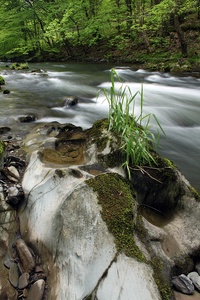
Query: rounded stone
[14, 274]
[36, 291]
[23, 281]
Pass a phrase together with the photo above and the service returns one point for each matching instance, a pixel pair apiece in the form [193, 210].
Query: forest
[162, 33]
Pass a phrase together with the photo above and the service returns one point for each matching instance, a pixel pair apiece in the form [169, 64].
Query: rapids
[175, 100]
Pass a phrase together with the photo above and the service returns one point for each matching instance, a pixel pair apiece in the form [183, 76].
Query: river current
[174, 100]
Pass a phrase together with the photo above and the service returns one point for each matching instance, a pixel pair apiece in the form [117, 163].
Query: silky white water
[174, 100]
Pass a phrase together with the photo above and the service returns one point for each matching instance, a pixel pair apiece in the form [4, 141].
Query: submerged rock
[27, 119]
[70, 101]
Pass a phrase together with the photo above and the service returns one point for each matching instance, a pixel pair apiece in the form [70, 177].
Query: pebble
[183, 284]
[195, 278]
[36, 291]
[23, 281]
[13, 172]
[14, 274]
[7, 263]
[26, 258]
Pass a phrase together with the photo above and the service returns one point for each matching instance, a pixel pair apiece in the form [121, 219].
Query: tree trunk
[146, 40]
[180, 33]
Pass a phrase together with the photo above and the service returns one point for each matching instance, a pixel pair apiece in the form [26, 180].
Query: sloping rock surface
[63, 217]
[63, 220]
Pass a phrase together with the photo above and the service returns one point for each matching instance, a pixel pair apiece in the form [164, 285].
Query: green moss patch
[156, 263]
[117, 200]
[2, 81]
[99, 134]
[161, 282]
[194, 192]
[19, 66]
[2, 148]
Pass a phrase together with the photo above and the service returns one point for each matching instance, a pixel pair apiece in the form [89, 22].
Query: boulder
[100, 235]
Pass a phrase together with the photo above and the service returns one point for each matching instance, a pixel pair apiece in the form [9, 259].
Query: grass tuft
[137, 140]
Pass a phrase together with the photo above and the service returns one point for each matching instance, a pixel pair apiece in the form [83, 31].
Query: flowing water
[174, 100]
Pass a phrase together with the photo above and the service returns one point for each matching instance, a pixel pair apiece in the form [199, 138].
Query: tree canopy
[33, 28]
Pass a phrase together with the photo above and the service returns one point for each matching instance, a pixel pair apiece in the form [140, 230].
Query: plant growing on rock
[136, 139]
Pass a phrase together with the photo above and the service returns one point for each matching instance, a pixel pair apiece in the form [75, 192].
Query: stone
[180, 296]
[38, 269]
[7, 263]
[14, 274]
[63, 220]
[70, 101]
[36, 291]
[4, 130]
[6, 92]
[27, 119]
[15, 195]
[25, 256]
[13, 172]
[135, 277]
[195, 278]
[23, 281]
[183, 284]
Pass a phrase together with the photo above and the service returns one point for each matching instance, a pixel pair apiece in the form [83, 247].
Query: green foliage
[17, 66]
[137, 140]
[31, 28]
[2, 80]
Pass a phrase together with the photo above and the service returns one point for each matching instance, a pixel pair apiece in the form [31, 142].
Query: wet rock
[195, 278]
[6, 92]
[71, 101]
[36, 291]
[94, 169]
[15, 195]
[66, 152]
[36, 71]
[183, 284]
[12, 160]
[14, 274]
[36, 276]
[4, 130]
[38, 269]
[76, 173]
[26, 258]
[27, 119]
[197, 267]
[13, 173]
[7, 263]
[23, 281]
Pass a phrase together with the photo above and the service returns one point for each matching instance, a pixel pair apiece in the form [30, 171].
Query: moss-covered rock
[19, 66]
[2, 149]
[2, 80]
[117, 200]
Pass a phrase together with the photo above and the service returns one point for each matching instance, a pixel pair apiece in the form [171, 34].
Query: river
[174, 100]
